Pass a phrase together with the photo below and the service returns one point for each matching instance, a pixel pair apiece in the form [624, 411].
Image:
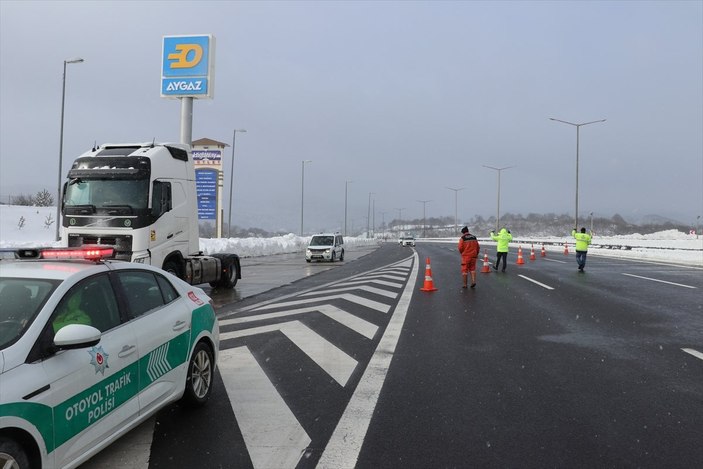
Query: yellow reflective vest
[582, 240]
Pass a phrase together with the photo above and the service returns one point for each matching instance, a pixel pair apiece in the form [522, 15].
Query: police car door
[164, 323]
[93, 390]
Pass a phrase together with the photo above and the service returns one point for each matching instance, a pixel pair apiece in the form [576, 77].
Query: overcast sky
[404, 99]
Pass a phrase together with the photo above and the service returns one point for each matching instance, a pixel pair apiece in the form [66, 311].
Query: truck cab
[140, 198]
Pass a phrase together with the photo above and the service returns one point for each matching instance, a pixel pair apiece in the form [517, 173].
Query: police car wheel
[201, 373]
[12, 456]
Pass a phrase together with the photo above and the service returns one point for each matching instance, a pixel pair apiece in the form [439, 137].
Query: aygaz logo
[187, 66]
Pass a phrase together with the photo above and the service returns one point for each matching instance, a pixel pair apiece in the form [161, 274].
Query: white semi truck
[141, 199]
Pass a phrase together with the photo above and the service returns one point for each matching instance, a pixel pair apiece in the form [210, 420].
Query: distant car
[90, 348]
[407, 241]
[325, 247]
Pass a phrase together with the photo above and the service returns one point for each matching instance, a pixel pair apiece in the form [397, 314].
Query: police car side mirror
[76, 336]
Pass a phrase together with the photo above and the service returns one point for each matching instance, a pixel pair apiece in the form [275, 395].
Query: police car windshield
[20, 300]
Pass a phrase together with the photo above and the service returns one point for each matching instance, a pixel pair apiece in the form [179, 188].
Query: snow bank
[35, 226]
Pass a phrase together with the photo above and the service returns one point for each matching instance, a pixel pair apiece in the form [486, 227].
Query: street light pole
[368, 218]
[346, 189]
[400, 218]
[578, 127]
[424, 204]
[498, 204]
[302, 195]
[456, 191]
[231, 182]
[63, 102]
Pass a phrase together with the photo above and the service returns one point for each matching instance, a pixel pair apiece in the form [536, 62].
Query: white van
[325, 247]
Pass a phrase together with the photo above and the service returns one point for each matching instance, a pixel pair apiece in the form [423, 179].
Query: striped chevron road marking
[354, 323]
[272, 434]
[360, 300]
[385, 283]
[334, 361]
[377, 291]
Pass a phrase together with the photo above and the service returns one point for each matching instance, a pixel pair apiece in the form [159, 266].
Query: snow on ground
[34, 226]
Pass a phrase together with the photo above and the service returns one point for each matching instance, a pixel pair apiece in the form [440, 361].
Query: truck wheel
[228, 277]
[172, 267]
[12, 455]
[201, 373]
[334, 257]
[341, 256]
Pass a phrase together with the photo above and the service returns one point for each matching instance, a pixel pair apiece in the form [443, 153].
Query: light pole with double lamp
[231, 182]
[302, 196]
[578, 127]
[498, 170]
[63, 102]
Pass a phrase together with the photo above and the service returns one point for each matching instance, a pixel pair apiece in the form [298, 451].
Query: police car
[90, 348]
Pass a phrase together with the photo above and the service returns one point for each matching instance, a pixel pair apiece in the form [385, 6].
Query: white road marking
[272, 434]
[354, 323]
[554, 260]
[695, 353]
[342, 451]
[377, 291]
[334, 361]
[660, 281]
[536, 282]
[382, 307]
[379, 282]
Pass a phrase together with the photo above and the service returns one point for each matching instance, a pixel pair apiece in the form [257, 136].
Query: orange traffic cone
[520, 260]
[544, 253]
[429, 284]
[532, 253]
[486, 269]
[566, 249]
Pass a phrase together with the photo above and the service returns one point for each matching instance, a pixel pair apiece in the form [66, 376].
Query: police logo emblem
[98, 358]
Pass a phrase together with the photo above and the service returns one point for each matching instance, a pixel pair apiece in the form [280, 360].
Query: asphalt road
[541, 366]
[578, 370]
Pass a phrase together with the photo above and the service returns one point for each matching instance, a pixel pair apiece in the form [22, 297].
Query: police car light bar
[89, 254]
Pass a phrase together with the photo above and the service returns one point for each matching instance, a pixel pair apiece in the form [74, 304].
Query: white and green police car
[90, 348]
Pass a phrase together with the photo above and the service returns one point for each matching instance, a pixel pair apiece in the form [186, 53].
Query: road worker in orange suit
[469, 249]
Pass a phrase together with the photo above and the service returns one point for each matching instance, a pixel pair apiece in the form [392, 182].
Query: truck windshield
[107, 193]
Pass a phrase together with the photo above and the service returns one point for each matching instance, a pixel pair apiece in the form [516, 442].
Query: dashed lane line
[554, 260]
[695, 353]
[660, 281]
[536, 282]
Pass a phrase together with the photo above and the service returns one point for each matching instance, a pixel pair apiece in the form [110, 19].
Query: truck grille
[122, 244]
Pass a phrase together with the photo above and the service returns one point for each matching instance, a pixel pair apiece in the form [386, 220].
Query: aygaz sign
[188, 66]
